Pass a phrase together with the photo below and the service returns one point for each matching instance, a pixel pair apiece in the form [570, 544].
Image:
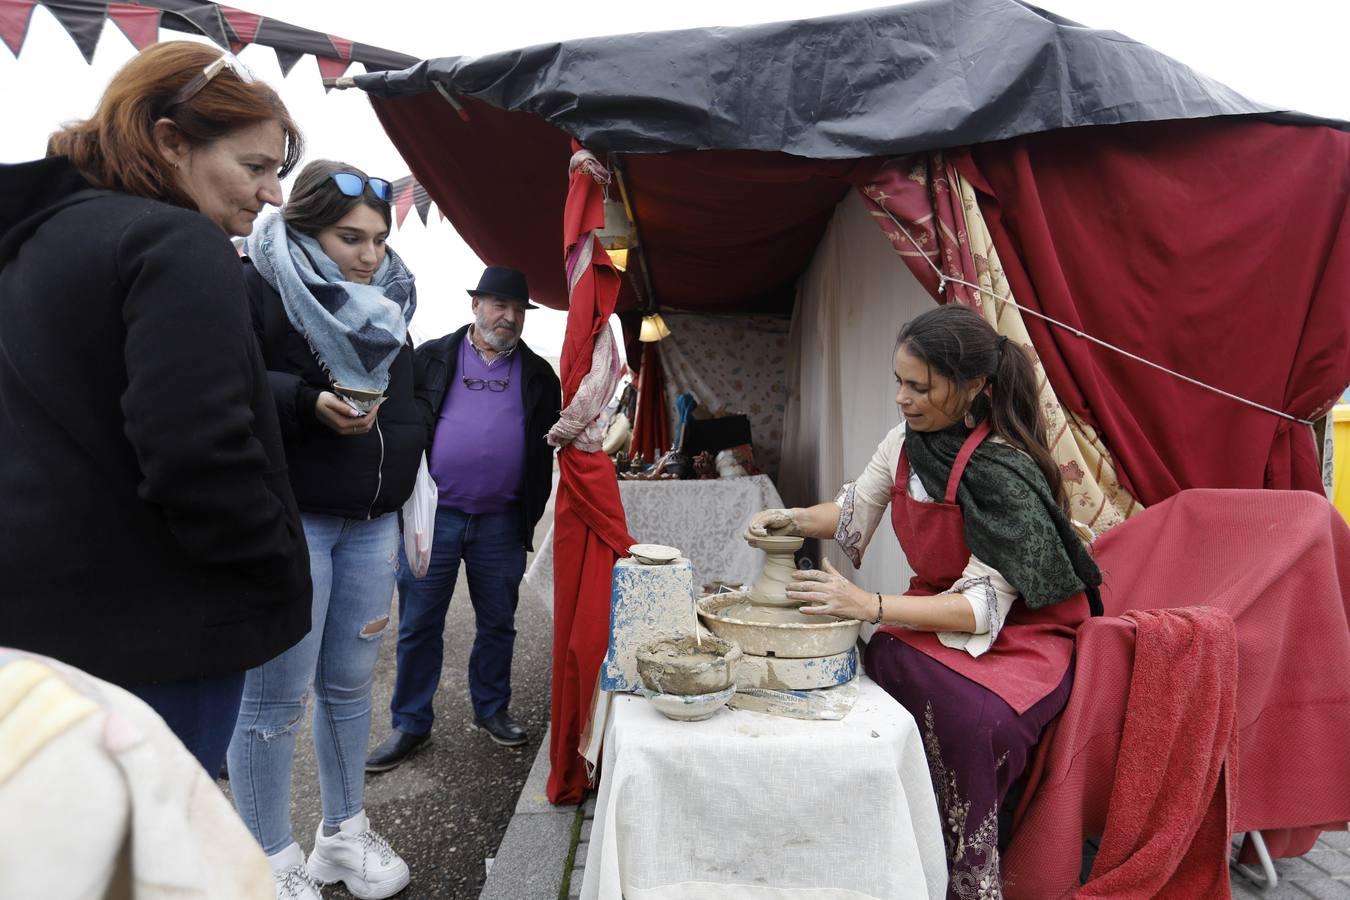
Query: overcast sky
[1288, 54]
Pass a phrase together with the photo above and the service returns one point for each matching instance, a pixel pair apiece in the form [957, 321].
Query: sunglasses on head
[208, 72]
[354, 185]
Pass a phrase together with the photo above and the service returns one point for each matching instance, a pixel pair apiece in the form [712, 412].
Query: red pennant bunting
[342, 46]
[245, 24]
[403, 203]
[139, 23]
[15, 16]
[332, 68]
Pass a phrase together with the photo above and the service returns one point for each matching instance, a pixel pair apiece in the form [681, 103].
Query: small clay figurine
[705, 466]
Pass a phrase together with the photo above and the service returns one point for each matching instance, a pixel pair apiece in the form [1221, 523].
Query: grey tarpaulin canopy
[882, 82]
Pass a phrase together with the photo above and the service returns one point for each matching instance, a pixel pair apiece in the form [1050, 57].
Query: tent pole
[616, 169]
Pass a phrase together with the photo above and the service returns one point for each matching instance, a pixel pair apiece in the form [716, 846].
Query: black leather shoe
[395, 749]
[503, 729]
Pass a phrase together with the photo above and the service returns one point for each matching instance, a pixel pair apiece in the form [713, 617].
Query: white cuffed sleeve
[990, 597]
[863, 501]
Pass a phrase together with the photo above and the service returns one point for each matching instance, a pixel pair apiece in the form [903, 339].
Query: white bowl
[654, 554]
[692, 707]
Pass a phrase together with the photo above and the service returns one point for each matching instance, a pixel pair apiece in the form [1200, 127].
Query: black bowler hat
[506, 283]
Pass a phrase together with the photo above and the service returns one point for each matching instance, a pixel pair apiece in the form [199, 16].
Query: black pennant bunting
[287, 60]
[82, 20]
[421, 200]
[192, 17]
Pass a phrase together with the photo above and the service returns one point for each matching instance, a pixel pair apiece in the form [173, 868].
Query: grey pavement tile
[1332, 862]
[1245, 890]
[589, 806]
[586, 831]
[534, 797]
[1299, 869]
[1334, 840]
[1325, 889]
[530, 860]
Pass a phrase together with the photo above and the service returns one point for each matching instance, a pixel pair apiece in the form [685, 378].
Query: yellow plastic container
[1340, 472]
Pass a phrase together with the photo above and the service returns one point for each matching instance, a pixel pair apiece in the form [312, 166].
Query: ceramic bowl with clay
[684, 667]
[691, 708]
[774, 631]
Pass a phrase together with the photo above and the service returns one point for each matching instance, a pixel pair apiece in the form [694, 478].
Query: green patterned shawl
[1012, 520]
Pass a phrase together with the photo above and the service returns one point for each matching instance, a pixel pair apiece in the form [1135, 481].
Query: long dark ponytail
[957, 343]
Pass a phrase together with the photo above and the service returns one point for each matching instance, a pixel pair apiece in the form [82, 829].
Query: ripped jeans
[353, 564]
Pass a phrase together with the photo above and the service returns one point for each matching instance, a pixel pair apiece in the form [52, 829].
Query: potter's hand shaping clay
[772, 522]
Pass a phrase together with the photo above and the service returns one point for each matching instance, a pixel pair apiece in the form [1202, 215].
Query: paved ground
[446, 809]
[1323, 873]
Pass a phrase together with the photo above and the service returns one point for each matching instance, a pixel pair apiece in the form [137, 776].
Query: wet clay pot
[679, 665]
[770, 588]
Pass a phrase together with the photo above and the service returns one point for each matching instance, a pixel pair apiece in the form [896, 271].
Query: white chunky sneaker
[360, 858]
[291, 876]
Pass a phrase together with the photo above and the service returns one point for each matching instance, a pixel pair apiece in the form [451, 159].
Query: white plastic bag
[419, 519]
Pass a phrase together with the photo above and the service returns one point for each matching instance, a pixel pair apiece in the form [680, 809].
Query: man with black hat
[489, 402]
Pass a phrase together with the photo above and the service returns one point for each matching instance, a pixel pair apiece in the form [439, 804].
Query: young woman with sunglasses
[331, 305]
[149, 534]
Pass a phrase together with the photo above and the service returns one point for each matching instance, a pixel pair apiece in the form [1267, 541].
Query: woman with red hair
[149, 534]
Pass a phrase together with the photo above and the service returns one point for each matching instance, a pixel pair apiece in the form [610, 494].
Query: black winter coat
[148, 531]
[355, 476]
[542, 395]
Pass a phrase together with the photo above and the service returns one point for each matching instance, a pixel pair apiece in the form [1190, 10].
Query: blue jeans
[353, 564]
[200, 711]
[490, 545]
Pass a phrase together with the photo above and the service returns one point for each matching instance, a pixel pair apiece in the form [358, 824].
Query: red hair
[116, 147]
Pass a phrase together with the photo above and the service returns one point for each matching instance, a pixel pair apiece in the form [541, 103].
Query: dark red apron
[1032, 652]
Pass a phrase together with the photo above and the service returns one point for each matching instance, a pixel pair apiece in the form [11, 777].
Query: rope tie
[944, 280]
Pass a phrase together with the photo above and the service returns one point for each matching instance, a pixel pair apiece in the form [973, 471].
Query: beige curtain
[1096, 497]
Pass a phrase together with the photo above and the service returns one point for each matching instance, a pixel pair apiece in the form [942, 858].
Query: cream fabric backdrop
[851, 303]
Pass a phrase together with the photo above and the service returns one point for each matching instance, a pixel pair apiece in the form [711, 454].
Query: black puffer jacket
[542, 395]
[352, 476]
[148, 531]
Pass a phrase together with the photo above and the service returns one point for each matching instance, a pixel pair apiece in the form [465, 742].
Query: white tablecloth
[703, 519]
[746, 805]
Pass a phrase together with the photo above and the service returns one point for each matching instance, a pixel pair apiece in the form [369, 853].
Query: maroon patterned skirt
[978, 748]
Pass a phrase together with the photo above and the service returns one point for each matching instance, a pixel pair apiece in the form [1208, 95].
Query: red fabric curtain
[1218, 248]
[651, 425]
[917, 191]
[589, 529]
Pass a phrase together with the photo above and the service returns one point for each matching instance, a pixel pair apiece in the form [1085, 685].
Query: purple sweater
[478, 452]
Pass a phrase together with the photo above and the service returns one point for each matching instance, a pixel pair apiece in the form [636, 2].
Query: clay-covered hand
[827, 593]
[772, 522]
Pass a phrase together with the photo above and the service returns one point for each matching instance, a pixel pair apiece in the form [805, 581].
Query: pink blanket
[1278, 563]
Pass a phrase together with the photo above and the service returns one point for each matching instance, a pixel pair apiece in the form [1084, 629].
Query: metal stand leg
[1266, 879]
